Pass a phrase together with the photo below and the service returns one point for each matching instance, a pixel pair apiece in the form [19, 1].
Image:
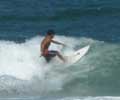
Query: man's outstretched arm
[56, 42]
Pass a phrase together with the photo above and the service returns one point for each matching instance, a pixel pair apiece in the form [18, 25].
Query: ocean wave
[63, 98]
[22, 72]
[92, 98]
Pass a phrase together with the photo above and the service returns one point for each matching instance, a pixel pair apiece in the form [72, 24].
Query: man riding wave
[48, 54]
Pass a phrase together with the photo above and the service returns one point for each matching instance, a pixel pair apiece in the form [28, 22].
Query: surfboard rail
[77, 55]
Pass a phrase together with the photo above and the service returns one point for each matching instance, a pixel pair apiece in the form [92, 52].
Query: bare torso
[45, 44]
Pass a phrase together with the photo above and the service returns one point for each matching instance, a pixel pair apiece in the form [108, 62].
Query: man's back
[48, 54]
[45, 44]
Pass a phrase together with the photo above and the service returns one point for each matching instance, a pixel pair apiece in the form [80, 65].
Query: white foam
[92, 98]
[22, 61]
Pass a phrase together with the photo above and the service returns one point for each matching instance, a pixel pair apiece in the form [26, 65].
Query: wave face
[24, 73]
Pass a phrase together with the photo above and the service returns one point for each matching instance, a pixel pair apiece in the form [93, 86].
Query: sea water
[24, 75]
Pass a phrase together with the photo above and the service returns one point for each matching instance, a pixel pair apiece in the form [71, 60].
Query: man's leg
[60, 56]
[54, 53]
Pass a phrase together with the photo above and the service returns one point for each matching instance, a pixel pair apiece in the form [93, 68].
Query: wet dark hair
[50, 32]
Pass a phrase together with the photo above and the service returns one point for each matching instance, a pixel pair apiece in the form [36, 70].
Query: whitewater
[24, 73]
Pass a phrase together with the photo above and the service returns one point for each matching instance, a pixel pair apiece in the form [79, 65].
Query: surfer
[48, 54]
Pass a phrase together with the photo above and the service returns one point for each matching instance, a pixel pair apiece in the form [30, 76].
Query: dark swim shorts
[50, 54]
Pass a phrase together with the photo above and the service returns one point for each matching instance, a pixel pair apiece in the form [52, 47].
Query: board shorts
[48, 55]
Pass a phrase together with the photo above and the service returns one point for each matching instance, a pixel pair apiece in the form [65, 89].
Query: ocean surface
[77, 23]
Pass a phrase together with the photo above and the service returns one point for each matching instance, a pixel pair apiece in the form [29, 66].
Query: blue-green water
[25, 76]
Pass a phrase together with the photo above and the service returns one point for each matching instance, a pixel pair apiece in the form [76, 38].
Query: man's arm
[56, 42]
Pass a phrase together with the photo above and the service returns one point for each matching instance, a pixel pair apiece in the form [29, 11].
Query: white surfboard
[77, 55]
